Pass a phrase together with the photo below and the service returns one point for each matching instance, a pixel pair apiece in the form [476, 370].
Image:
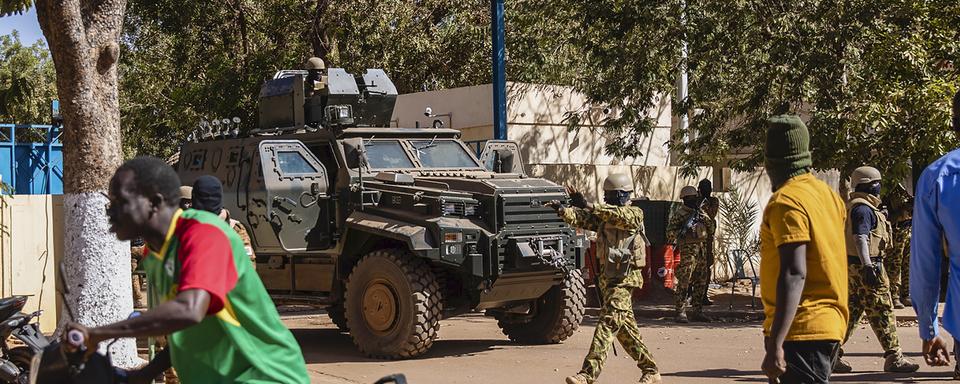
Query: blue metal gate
[31, 158]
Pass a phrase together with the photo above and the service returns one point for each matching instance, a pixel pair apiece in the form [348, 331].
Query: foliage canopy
[27, 81]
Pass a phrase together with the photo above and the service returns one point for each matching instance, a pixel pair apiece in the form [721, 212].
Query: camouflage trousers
[877, 305]
[616, 324]
[897, 263]
[703, 272]
[692, 260]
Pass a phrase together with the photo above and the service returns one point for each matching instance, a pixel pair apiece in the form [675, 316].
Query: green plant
[738, 215]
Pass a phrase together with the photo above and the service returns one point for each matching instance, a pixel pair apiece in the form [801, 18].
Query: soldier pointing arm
[620, 252]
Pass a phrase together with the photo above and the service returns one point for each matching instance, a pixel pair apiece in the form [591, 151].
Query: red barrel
[663, 263]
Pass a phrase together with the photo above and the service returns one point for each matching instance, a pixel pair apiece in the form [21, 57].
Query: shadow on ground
[328, 345]
[884, 377]
[732, 374]
[668, 322]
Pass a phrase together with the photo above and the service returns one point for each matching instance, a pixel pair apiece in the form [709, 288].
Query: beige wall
[535, 119]
[31, 245]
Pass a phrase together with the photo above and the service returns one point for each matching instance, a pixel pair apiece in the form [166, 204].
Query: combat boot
[897, 304]
[897, 363]
[682, 317]
[842, 366]
[650, 378]
[579, 379]
[700, 317]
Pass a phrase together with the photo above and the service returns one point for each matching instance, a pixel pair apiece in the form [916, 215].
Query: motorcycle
[58, 364]
[15, 361]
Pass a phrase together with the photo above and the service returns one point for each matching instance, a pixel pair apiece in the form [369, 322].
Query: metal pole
[499, 76]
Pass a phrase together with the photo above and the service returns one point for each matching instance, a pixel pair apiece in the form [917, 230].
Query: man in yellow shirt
[803, 261]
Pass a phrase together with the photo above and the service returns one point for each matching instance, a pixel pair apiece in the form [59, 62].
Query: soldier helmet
[688, 191]
[618, 182]
[186, 192]
[864, 175]
[315, 63]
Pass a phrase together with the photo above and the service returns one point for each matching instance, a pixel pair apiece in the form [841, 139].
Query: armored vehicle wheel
[556, 314]
[338, 315]
[392, 305]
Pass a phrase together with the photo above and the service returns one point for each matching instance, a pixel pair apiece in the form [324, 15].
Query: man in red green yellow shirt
[221, 325]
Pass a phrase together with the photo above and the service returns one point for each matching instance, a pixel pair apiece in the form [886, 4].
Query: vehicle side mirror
[352, 152]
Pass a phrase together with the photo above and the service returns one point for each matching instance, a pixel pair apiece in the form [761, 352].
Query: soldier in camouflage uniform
[136, 253]
[868, 238]
[897, 263]
[621, 255]
[691, 239]
[704, 273]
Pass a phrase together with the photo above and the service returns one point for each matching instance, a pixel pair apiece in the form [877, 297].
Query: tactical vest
[879, 236]
[621, 250]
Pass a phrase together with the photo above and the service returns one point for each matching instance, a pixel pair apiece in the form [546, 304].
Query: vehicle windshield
[386, 154]
[442, 154]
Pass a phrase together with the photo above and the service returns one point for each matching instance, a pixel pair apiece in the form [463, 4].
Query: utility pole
[499, 75]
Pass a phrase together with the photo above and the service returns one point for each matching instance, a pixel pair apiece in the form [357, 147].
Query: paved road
[472, 350]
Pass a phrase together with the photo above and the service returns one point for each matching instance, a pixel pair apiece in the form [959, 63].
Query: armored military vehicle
[392, 229]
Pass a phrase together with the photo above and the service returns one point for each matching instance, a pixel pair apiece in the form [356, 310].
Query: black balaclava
[692, 201]
[705, 188]
[616, 198]
[869, 188]
[208, 194]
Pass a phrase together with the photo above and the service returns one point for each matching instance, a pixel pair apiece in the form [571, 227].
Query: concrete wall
[31, 246]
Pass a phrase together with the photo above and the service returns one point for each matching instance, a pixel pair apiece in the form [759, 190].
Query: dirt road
[472, 350]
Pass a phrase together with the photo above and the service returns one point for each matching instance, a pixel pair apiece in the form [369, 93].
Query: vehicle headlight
[470, 210]
[448, 208]
[453, 249]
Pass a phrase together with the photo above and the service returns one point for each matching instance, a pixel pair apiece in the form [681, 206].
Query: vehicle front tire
[393, 305]
[557, 314]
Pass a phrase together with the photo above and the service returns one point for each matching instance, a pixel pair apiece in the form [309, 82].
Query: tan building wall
[536, 120]
[31, 247]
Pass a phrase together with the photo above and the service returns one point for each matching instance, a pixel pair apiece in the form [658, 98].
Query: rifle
[696, 217]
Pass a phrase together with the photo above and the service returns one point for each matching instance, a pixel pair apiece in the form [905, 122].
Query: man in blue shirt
[936, 224]
[868, 236]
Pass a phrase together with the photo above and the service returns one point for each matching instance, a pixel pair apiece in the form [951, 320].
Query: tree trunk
[83, 36]
[322, 39]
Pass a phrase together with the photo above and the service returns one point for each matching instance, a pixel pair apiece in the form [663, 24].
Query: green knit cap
[787, 151]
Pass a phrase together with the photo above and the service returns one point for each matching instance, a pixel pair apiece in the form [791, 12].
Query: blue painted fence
[31, 158]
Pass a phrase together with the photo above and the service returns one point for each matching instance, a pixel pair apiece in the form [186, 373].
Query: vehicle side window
[292, 162]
